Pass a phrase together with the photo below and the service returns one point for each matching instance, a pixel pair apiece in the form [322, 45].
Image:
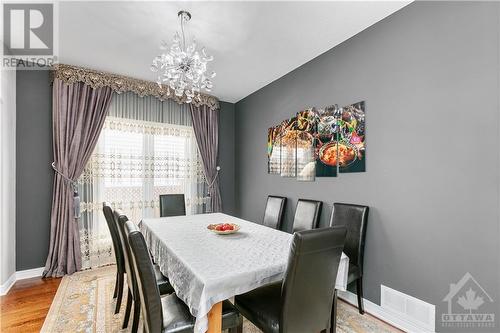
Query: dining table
[206, 268]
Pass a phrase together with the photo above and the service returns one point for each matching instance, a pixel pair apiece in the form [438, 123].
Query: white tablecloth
[205, 268]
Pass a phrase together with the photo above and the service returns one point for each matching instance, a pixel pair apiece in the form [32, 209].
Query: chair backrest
[273, 215]
[149, 294]
[121, 219]
[307, 214]
[172, 205]
[309, 284]
[115, 237]
[354, 218]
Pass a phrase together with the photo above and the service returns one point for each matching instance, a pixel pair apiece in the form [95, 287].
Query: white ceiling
[254, 43]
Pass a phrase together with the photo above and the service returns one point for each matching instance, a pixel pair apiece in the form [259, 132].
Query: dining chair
[354, 218]
[168, 314]
[307, 214]
[303, 301]
[162, 282]
[120, 263]
[172, 205]
[273, 214]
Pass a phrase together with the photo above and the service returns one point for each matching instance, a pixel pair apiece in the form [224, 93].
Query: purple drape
[206, 130]
[78, 114]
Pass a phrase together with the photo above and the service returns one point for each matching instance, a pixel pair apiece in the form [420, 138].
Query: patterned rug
[84, 303]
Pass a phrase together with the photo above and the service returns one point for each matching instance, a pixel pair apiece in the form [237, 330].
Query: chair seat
[162, 281]
[262, 307]
[178, 319]
[354, 273]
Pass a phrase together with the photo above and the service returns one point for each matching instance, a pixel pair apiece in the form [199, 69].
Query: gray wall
[429, 76]
[226, 157]
[34, 174]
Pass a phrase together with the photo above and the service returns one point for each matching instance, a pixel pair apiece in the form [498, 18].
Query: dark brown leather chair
[133, 294]
[172, 205]
[307, 214]
[302, 303]
[354, 218]
[273, 215]
[120, 261]
[167, 314]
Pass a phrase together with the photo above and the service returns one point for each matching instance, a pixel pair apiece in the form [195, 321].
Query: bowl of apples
[223, 228]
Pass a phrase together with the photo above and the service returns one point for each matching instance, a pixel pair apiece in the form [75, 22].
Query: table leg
[215, 319]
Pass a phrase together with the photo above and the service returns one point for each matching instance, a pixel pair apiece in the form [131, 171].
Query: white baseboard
[5, 287]
[20, 275]
[383, 314]
[29, 273]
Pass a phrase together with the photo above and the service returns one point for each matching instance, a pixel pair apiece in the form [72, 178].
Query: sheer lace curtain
[146, 148]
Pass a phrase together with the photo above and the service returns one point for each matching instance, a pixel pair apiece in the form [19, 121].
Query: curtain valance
[119, 84]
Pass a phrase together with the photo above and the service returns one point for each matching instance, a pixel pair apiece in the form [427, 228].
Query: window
[133, 163]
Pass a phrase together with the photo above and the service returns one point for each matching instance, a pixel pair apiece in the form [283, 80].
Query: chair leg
[115, 292]
[135, 320]
[120, 294]
[359, 287]
[333, 320]
[127, 310]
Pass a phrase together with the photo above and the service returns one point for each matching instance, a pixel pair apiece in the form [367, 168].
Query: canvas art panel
[289, 148]
[326, 141]
[352, 139]
[274, 150]
[306, 130]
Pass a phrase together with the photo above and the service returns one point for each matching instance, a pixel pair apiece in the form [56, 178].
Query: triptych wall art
[318, 142]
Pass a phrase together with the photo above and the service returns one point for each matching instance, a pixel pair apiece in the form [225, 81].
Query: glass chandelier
[183, 69]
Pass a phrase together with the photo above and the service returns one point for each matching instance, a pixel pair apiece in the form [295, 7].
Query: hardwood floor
[24, 308]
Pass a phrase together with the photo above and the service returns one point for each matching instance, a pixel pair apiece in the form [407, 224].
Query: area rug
[84, 303]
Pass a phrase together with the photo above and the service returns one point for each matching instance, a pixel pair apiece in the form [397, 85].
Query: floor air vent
[408, 308]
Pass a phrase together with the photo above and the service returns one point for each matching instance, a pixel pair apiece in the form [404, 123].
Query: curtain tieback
[210, 184]
[66, 178]
[72, 183]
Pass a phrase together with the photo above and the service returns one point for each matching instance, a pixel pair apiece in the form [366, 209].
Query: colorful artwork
[273, 150]
[326, 141]
[319, 143]
[352, 148]
[289, 148]
[306, 160]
